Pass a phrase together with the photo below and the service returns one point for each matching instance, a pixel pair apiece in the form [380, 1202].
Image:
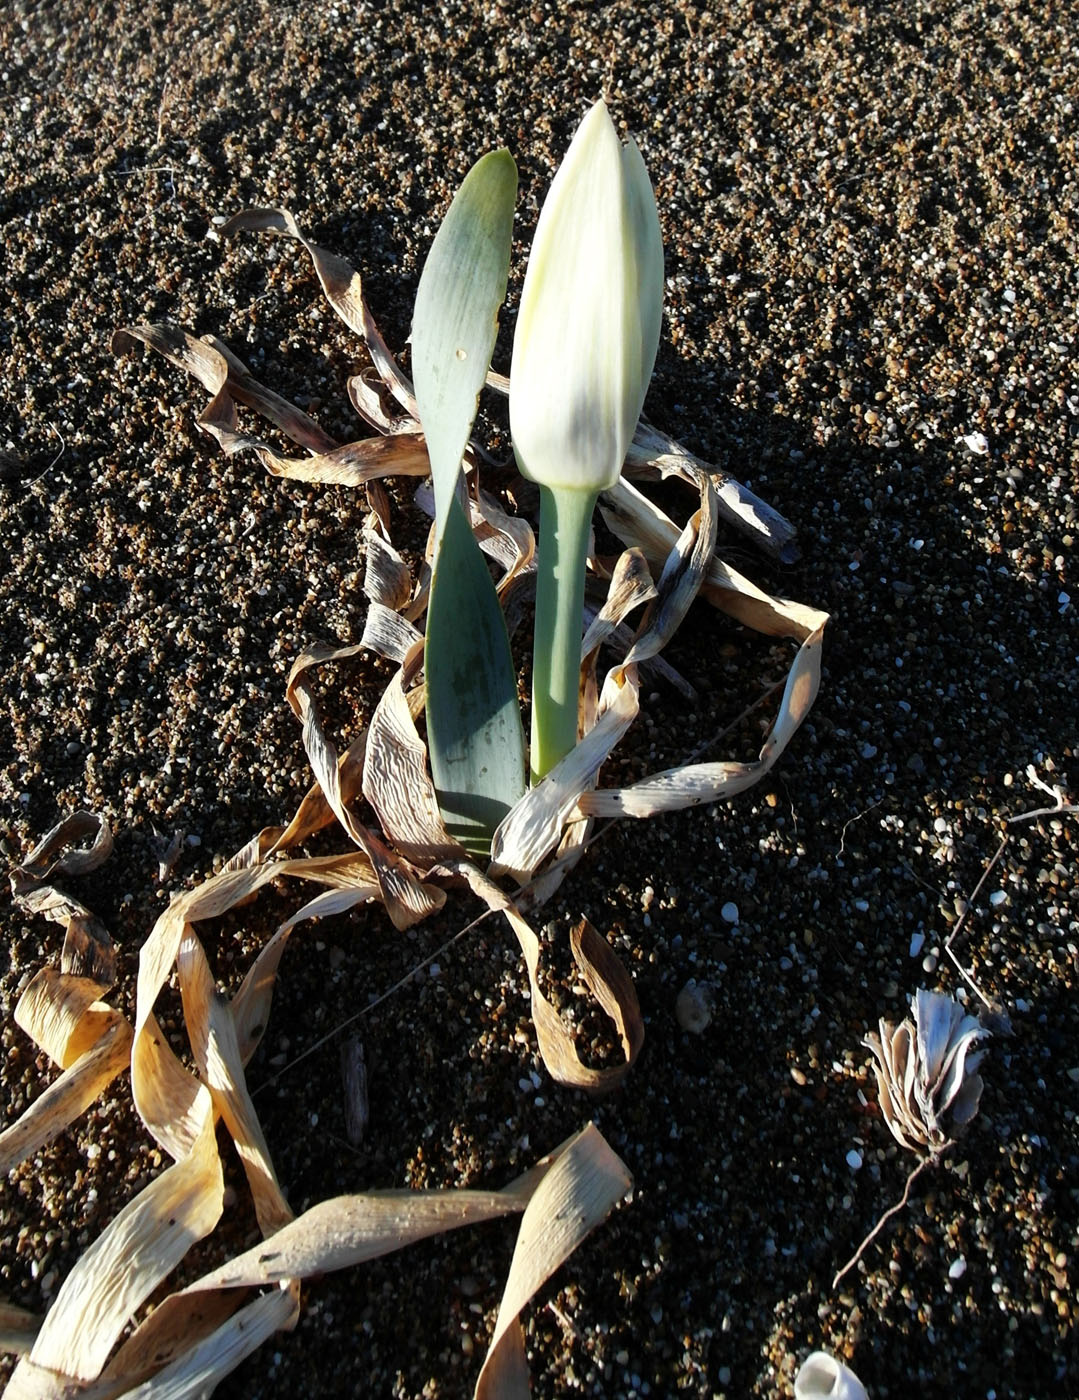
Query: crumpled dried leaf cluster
[926, 1072]
[401, 857]
[196, 1336]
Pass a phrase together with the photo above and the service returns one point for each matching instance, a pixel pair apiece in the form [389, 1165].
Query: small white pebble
[854, 1160]
[693, 1007]
[957, 1268]
[997, 898]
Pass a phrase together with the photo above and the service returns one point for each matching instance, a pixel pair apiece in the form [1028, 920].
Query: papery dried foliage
[61, 1009]
[406, 863]
[927, 1080]
[551, 822]
[193, 1339]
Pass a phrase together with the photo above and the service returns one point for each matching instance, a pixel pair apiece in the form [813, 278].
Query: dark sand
[871, 217]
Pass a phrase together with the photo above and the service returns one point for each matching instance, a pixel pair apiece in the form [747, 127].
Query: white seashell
[924, 1070]
[693, 1007]
[821, 1376]
[975, 442]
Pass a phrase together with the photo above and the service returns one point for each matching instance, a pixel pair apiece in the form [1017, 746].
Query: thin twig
[63, 449]
[856, 818]
[1061, 806]
[351, 1020]
[929, 1161]
[966, 976]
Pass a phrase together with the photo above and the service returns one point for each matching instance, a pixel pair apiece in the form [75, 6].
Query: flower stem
[565, 521]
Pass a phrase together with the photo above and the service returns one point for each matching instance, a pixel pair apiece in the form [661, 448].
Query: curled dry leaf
[344, 291]
[926, 1072]
[604, 974]
[230, 382]
[51, 859]
[653, 453]
[193, 1339]
[61, 1009]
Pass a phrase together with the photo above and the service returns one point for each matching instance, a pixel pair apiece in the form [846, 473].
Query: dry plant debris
[407, 862]
[925, 1070]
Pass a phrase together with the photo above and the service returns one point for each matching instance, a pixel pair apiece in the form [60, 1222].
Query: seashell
[821, 1375]
[925, 1069]
[693, 1007]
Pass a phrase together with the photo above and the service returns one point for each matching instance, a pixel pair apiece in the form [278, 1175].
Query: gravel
[871, 219]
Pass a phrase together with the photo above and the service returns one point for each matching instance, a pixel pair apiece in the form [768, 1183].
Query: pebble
[693, 1007]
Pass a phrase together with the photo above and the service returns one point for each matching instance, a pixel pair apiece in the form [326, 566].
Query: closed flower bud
[589, 320]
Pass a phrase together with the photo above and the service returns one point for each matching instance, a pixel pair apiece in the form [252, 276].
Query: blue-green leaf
[474, 734]
[462, 287]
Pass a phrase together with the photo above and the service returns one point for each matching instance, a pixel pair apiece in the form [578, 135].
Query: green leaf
[474, 734]
[456, 317]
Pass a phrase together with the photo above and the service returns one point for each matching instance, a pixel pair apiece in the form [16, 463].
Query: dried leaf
[388, 634]
[597, 964]
[679, 583]
[230, 382]
[407, 900]
[204, 1363]
[387, 580]
[638, 521]
[140, 1247]
[215, 1045]
[534, 824]
[925, 1070]
[395, 778]
[68, 1097]
[654, 453]
[580, 1190]
[699, 783]
[344, 291]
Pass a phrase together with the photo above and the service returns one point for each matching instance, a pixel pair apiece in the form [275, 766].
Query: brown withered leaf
[344, 291]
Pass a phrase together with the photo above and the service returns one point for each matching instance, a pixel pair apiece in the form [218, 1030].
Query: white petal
[935, 1016]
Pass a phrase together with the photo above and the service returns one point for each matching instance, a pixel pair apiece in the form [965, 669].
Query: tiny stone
[854, 1160]
[693, 1008]
[729, 912]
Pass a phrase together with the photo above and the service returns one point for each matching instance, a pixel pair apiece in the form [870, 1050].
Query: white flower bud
[588, 325]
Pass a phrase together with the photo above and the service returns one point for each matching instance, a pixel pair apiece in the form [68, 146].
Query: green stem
[565, 521]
